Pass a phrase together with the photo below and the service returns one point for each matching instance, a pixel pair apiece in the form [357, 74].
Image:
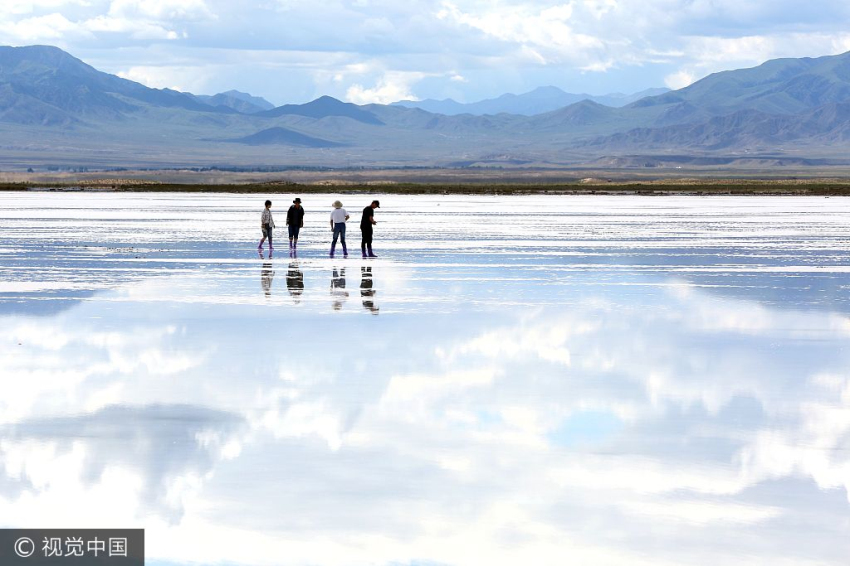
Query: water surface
[515, 380]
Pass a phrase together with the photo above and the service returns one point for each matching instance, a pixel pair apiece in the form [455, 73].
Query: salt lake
[597, 380]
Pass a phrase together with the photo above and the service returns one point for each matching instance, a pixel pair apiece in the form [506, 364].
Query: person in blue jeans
[338, 218]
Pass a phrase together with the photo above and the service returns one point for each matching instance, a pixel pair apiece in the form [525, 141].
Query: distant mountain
[780, 86]
[45, 85]
[239, 101]
[55, 109]
[324, 107]
[283, 136]
[744, 129]
[538, 101]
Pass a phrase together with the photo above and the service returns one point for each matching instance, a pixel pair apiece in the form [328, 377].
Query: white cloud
[137, 29]
[160, 10]
[580, 45]
[186, 79]
[43, 28]
[679, 80]
[30, 6]
[392, 86]
[547, 32]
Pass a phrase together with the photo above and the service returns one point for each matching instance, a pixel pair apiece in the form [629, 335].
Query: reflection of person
[338, 292]
[366, 290]
[266, 225]
[295, 281]
[338, 218]
[294, 221]
[266, 277]
[366, 223]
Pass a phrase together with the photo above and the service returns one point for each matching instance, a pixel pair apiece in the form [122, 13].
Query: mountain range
[56, 111]
[538, 101]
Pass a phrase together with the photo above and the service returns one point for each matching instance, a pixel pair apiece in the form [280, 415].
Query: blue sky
[384, 50]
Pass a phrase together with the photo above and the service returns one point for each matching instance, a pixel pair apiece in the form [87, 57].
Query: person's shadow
[295, 281]
[338, 292]
[367, 292]
[266, 278]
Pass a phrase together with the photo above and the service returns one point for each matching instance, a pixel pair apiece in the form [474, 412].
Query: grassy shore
[696, 187]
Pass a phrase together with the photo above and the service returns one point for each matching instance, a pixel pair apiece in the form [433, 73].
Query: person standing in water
[295, 221]
[266, 225]
[366, 223]
[338, 218]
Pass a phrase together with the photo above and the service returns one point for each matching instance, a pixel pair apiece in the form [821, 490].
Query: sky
[363, 51]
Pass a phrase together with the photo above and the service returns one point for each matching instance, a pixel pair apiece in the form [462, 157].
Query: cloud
[185, 79]
[161, 10]
[391, 87]
[136, 29]
[679, 80]
[40, 28]
[546, 32]
[593, 46]
[31, 6]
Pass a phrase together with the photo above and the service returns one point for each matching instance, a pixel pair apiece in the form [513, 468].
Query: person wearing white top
[266, 225]
[338, 218]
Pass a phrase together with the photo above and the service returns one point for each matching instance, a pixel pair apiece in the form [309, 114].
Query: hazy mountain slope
[780, 86]
[538, 101]
[283, 136]
[745, 129]
[52, 77]
[239, 101]
[322, 107]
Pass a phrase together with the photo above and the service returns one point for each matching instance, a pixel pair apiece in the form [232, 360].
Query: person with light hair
[338, 218]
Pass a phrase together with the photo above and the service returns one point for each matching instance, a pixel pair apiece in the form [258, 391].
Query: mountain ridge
[538, 101]
[56, 108]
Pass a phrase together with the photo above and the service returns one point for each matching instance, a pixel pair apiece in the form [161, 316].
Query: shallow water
[515, 380]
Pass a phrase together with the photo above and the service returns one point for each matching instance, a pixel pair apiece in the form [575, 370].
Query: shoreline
[658, 188]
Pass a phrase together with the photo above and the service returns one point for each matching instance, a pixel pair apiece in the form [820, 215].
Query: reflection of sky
[579, 392]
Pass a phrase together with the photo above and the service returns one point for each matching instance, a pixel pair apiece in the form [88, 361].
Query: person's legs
[342, 237]
[263, 239]
[270, 230]
[369, 244]
[291, 234]
[336, 236]
[367, 240]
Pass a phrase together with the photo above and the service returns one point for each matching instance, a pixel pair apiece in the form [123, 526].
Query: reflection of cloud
[161, 450]
[81, 364]
[658, 414]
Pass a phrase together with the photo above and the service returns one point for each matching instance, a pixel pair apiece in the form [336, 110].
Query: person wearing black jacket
[294, 221]
[366, 223]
